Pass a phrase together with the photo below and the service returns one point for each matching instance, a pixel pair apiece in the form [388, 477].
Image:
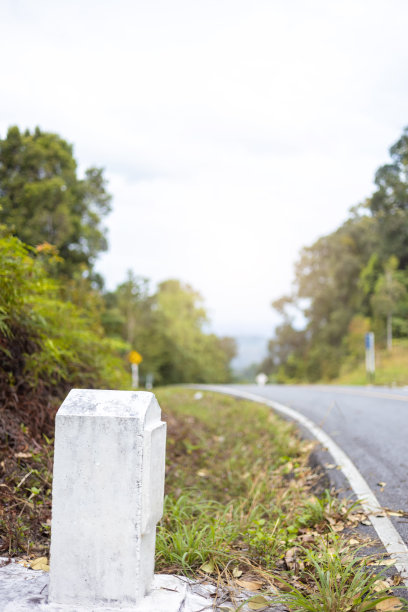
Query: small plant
[265, 543]
[193, 532]
[337, 581]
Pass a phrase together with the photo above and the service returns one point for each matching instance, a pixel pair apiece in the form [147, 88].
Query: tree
[389, 203]
[351, 281]
[327, 292]
[189, 355]
[389, 291]
[166, 328]
[42, 200]
[47, 344]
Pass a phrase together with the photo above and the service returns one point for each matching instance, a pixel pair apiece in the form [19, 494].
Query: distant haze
[233, 132]
[251, 349]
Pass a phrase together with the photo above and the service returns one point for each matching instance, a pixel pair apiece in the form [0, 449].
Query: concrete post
[107, 497]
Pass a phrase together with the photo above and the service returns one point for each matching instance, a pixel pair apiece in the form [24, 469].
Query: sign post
[135, 358]
[370, 356]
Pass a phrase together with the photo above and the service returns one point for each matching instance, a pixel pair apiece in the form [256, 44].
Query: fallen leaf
[338, 527]
[306, 538]
[309, 446]
[392, 603]
[353, 542]
[292, 561]
[236, 572]
[382, 562]
[282, 586]
[389, 562]
[203, 473]
[396, 580]
[40, 564]
[381, 585]
[258, 603]
[382, 484]
[249, 585]
[208, 567]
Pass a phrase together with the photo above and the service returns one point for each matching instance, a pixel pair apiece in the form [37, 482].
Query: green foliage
[46, 341]
[359, 272]
[39, 183]
[389, 203]
[195, 531]
[222, 454]
[241, 502]
[166, 328]
[340, 580]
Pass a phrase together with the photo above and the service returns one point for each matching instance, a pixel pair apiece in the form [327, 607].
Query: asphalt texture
[370, 424]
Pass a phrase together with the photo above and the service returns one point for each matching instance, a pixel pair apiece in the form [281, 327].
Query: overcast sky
[232, 132]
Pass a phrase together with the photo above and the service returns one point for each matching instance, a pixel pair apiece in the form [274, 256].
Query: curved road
[370, 424]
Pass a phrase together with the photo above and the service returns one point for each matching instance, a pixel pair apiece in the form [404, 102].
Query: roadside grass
[244, 509]
[391, 367]
[340, 581]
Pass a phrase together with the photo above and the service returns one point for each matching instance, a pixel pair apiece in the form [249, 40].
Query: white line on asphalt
[386, 531]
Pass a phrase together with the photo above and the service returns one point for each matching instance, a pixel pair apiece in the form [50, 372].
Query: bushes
[47, 345]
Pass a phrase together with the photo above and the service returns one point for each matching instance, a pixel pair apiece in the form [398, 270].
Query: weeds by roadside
[25, 493]
[245, 509]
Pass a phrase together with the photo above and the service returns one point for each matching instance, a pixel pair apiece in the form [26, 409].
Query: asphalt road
[370, 424]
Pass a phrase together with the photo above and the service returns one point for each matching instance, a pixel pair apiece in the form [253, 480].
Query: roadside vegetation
[243, 509]
[348, 283]
[391, 367]
[52, 225]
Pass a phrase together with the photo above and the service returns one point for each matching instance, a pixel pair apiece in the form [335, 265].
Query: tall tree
[350, 281]
[43, 200]
[389, 291]
[166, 328]
[389, 203]
[328, 294]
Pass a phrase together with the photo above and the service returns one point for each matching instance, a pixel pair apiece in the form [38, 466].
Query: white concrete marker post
[107, 497]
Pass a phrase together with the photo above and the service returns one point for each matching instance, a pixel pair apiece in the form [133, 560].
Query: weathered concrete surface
[107, 497]
[17, 582]
[25, 590]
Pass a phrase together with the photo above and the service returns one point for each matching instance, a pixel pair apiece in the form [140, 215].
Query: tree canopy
[167, 327]
[42, 199]
[58, 327]
[347, 282]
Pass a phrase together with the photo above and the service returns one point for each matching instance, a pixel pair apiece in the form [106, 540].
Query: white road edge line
[386, 531]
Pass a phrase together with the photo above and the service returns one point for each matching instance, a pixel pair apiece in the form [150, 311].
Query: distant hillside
[251, 349]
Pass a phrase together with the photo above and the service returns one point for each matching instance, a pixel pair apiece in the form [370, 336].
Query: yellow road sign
[135, 357]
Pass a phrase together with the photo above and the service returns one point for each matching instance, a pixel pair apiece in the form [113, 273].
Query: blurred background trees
[59, 328]
[347, 283]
